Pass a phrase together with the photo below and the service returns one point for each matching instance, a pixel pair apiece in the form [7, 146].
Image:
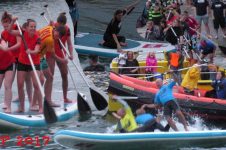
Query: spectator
[131, 62]
[151, 61]
[122, 60]
[155, 14]
[220, 85]
[218, 15]
[152, 32]
[202, 13]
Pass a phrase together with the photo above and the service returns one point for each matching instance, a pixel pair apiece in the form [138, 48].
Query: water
[94, 17]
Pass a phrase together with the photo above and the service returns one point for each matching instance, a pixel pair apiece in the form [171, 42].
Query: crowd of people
[44, 47]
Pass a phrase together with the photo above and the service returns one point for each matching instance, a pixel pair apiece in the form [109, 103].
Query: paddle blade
[83, 107]
[49, 113]
[99, 101]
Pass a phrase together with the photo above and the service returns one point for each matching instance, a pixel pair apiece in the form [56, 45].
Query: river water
[94, 17]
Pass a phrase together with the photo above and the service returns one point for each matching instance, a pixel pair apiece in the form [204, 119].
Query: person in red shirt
[14, 42]
[59, 57]
[7, 73]
[24, 66]
[8, 58]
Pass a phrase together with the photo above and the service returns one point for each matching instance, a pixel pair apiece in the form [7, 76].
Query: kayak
[88, 43]
[207, 108]
[147, 140]
[29, 118]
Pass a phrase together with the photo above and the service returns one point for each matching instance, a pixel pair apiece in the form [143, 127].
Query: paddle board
[88, 43]
[32, 118]
[147, 140]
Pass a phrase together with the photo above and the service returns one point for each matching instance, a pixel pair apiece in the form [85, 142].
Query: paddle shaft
[62, 45]
[176, 70]
[138, 67]
[31, 61]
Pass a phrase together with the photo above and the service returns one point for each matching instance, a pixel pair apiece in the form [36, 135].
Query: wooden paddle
[99, 101]
[49, 112]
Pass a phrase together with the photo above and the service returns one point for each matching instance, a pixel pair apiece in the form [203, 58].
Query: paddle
[83, 106]
[49, 112]
[176, 70]
[99, 101]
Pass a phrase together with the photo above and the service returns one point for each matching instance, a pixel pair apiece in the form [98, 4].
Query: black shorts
[218, 22]
[27, 68]
[11, 67]
[170, 107]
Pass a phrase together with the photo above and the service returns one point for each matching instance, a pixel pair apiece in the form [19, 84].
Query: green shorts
[43, 64]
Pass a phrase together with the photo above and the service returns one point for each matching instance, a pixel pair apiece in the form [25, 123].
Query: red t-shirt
[31, 43]
[57, 45]
[11, 39]
[191, 22]
[6, 59]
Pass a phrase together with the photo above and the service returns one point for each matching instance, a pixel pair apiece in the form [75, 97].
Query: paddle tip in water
[49, 113]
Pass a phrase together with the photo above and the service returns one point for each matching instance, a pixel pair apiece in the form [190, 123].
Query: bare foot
[8, 111]
[4, 106]
[20, 110]
[34, 108]
[67, 101]
[40, 111]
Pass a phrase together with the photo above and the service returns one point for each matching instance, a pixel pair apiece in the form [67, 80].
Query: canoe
[88, 43]
[208, 108]
[27, 119]
[147, 140]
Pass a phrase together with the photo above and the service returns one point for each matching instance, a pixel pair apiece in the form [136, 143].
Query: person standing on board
[62, 62]
[24, 66]
[48, 36]
[164, 97]
[7, 73]
[73, 10]
[9, 57]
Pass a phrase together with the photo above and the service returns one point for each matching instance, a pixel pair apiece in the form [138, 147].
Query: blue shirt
[220, 87]
[143, 118]
[165, 94]
[208, 48]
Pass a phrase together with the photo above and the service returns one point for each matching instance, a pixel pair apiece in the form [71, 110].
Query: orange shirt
[11, 39]
[31, 43]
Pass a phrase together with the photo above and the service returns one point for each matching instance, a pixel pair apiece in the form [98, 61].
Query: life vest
[174, 59]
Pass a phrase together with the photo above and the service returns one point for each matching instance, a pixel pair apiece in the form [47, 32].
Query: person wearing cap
[207, 47]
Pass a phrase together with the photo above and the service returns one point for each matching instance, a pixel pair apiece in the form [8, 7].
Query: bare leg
[172, 124]
[29, 86]
[207, 29]
[64, 75]
[37, 90]
[20, 84]
[9, 77]
[182, 119]
[1, 80]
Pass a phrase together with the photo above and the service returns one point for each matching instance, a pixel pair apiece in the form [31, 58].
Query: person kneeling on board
[127, 122]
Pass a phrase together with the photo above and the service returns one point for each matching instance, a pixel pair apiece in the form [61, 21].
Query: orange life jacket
[174, 59]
